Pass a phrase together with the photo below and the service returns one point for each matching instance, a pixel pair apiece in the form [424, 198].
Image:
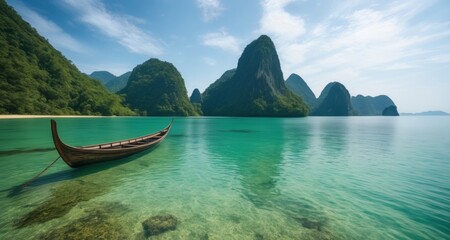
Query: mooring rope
[39, 174]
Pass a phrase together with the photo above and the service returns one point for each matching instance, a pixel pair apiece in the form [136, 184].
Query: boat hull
[80, 156]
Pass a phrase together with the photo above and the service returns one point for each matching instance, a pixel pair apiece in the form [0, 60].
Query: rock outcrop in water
[61, 201]
[299, 87]
[391, 111]
[159, 224]
[370, 106]
[334, 101]
[156, 88]
[256, 88]
[100, 222]
[310, 224]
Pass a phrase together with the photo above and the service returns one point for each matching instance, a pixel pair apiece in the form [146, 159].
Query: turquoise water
[234, 178]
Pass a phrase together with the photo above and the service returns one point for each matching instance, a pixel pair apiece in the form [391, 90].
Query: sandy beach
[45, 116]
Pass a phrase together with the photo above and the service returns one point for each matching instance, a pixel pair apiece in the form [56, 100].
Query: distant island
[371, 106]
[427, 113]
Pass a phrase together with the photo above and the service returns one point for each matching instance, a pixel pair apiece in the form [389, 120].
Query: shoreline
[46, 116]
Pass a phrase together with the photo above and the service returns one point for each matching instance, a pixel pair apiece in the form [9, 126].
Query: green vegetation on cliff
[256, 88]
[35, 78]
[196, 100]
[214, 96]
[299, 87]
[156, 88]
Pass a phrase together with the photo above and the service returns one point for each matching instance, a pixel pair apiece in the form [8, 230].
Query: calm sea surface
[233, 178]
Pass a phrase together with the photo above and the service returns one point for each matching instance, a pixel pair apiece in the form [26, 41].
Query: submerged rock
[310, 224]
[204, 237]
[158, 224]
[103, 222]
[198, 236]
[60, 202]
[259, 236]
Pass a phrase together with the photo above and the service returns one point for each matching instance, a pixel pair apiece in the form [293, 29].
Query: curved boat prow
[59, 145]
[80, 156]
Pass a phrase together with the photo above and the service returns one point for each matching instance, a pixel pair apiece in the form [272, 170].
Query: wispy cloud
[221, 40]
[276, 21]
[373, 39]
[209, 61]
[348, 46]
[117, 27]
[56, 36]
[211, 9]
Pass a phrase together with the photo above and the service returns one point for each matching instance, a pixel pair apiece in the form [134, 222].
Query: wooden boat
[80, 156]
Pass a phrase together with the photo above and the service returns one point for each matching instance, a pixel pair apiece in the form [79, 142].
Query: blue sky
[397, 48]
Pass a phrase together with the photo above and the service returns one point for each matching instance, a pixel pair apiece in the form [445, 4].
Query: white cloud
[348, 46]
[439, 58]
[211, 9]
[221, 40]
[277, 22]
[118, 27]
[210, 61]
[374, 39]
[51, 30]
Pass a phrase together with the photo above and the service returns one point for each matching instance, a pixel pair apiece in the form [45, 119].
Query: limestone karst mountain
[256, 88]
[299, 86]
[156, 88]
[334, 101]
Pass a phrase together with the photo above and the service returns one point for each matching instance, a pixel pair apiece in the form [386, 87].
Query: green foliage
[198, 108]
[255, 89]
[156, 88]
[215, 97]
[35, 78]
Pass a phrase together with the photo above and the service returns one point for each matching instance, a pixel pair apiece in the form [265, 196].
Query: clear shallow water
[236, 178]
